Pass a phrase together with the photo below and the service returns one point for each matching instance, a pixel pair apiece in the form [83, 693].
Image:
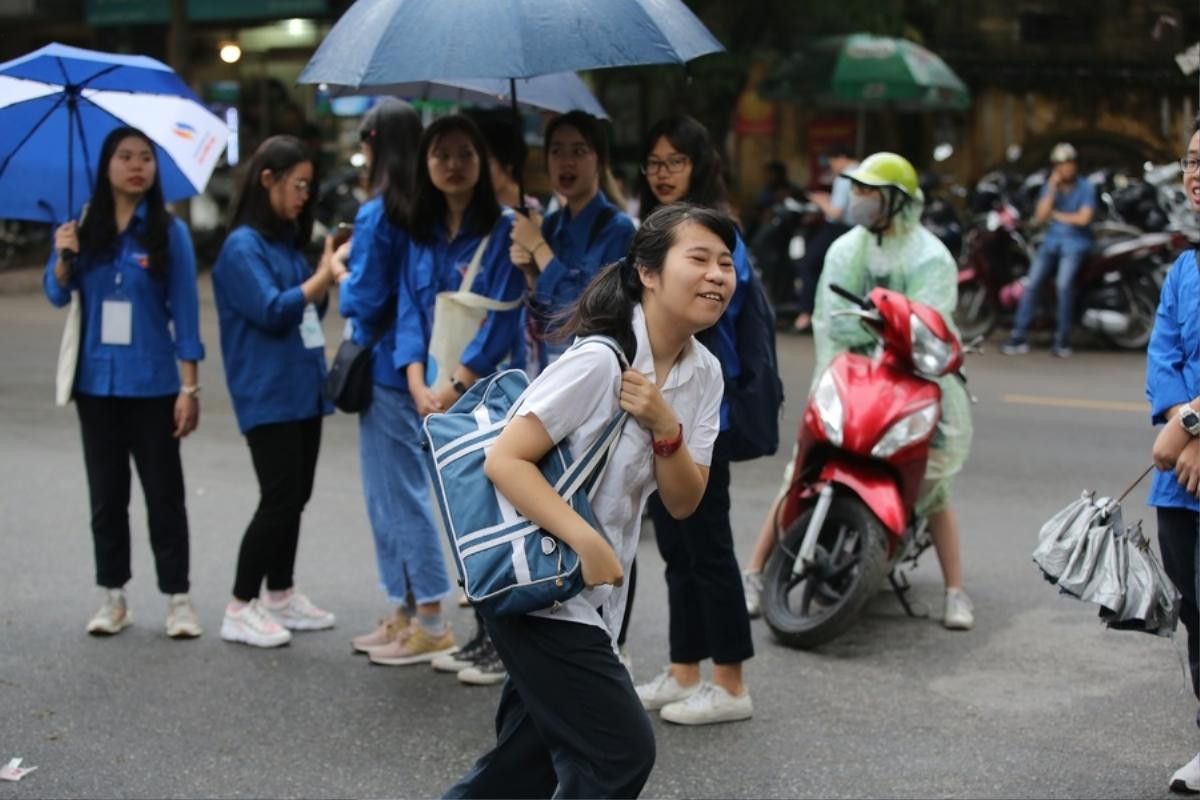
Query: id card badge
[116, 322]
[310, 328]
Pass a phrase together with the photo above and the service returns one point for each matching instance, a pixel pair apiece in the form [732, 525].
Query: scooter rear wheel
[850, 563]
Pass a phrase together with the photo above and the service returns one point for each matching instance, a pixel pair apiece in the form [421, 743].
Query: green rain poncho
[912, 261]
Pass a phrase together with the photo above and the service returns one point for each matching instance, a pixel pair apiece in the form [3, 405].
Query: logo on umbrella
[184, 130]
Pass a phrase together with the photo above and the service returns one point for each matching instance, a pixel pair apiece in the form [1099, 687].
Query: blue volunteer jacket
[272, 376]
[145, 367]
[1173, 365]
[368, 296]
[439, 266]
[575, 263]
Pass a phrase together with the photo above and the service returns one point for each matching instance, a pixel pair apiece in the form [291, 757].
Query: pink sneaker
[389, 628]
[252, 624]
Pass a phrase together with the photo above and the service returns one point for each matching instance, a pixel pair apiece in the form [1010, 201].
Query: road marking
[1075, 402]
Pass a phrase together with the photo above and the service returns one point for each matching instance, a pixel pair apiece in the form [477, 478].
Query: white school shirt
[575, 397]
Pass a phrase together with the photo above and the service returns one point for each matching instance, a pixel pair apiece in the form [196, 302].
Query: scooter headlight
[828, 401]
[931, 355]
[913, 428]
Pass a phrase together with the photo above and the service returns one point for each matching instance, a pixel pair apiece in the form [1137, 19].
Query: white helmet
[1062, 151]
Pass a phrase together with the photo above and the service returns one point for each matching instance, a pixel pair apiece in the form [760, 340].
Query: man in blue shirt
[1068, 204]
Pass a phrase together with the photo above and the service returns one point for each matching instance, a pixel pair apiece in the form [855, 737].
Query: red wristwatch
[667, 447]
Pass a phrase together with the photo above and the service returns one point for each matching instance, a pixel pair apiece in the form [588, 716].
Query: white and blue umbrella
[560, 91]
[58, 103]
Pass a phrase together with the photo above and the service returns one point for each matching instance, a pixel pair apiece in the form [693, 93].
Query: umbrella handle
[1133, 485]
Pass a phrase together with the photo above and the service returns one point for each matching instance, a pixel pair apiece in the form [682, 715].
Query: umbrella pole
[512, 96]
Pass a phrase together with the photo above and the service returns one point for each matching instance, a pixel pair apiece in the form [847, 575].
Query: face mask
[864, 209]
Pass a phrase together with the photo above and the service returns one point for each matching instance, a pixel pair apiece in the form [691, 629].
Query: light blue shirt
[1173, 365]
[1081, 195]
[271, 374]
[165, 313]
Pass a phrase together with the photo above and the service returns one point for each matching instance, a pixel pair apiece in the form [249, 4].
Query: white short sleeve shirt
[575, 397]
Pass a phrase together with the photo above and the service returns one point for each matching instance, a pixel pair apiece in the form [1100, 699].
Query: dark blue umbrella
[561, 92]
[58, 103]
[382, 42]
[378, 42]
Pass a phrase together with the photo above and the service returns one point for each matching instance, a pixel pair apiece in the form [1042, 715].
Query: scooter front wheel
[808, 608]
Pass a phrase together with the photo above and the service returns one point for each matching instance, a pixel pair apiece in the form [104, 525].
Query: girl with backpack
[570, 723]
[563, 252]
[455, 222]
[707, 607]
[269, 304]
[133, 266]
[367, 291]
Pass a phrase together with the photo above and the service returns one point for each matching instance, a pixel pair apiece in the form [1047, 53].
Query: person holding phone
[1068, 203]
[134, 268]
[270, 304]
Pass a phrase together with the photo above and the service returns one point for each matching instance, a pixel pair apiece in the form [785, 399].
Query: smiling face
[289, 191]
[1191, 180]
[697, 279]
[668, 171]
[573, 165]
[453, 165]
[132, 167]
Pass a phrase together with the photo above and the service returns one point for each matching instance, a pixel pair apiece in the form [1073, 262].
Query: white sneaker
[959, 614]
[113, 615]
[298, 613]
[252, 624]
[709, 704]
[1186, 779]
[182, 622]
[663, 690]
[752, 585]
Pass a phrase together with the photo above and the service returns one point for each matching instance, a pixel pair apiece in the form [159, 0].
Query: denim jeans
[408, 547]
[1066, 257]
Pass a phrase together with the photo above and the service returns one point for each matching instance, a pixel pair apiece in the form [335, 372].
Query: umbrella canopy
[379, 42]
[58, 103]
[864, 71]
[1089, 553]
[561, 92]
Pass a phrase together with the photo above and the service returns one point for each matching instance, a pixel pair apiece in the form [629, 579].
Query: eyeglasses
[673, 165]
[1189, 164]
[302, 186]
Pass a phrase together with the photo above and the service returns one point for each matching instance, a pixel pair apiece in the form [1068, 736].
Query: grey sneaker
[182, 622]
[1014, 348]
[296, 612]
[664, 689]
[486, 671]
[752, 585]
[1061, 352]
[959, 614]
[711, 703]
[113, 615]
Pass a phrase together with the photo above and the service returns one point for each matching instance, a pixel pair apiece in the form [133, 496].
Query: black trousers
[808, 269]
[113, 429]
[569, 724]
[704, 583]
[1178, 529]
[285, 461]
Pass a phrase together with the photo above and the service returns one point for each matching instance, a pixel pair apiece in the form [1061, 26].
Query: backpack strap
[608, 342]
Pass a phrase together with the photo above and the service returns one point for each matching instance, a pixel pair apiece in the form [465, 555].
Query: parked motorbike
[1117, 285]
[847, 521]
[940, 215]
[779, 243]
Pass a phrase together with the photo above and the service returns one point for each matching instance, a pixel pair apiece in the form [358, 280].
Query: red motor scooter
[848, 521]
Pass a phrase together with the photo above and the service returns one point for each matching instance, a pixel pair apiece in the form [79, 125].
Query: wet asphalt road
[1038, 701]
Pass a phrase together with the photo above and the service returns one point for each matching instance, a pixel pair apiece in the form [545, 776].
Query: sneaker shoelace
[259, 618]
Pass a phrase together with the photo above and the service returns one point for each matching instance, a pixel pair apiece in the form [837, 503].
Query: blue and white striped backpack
[507, 564]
